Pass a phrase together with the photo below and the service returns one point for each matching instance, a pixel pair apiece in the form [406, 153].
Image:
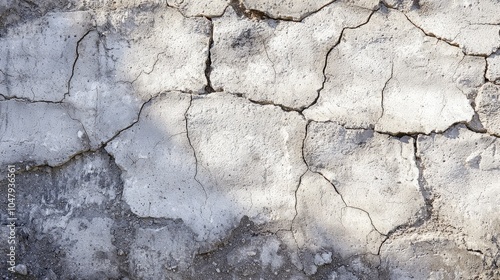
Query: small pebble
[21, 269]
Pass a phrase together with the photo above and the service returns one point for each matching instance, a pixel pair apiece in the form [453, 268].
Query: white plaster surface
[250, 139]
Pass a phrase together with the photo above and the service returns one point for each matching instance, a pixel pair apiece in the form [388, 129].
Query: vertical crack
[428, 200]
[208, 62]
[427, 212]
[383, 90]
[74, 63]
[194, 153]
[272, 62]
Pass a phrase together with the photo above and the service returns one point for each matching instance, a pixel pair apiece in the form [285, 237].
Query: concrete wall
[251, 139]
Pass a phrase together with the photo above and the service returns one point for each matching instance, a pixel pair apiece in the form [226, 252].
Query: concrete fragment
[159, 165]
[493, 71]
[430, 255]
[277, 61]
[463, 168]
[373, 172]
[249, 160]
[324, 221]
[472, 25]
[37, 56]
[395, 78]
[101, 104]
[488, 107]
[131, 59]
[148, 49]
[38, 133]
[208, 8]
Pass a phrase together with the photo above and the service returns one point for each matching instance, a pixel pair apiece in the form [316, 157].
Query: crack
[208, 63]
[272, 62]
[74, 63]
[429, 34]
[426, 194]
[475, 251]
[253, 14]
[485, 73]
[208, 16]
[144, 72]
[242, 11]
[267, 103]
[296, 198]
[101, 146]
[194, 154]
[328, 54]
[332, 184]
[442, 39]
[383, 90]
[130, 125]
[427, 210]
[27, 100]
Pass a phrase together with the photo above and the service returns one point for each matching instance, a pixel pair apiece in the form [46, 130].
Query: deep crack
[74, 63]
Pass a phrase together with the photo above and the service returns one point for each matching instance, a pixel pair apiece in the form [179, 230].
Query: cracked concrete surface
[249, 139]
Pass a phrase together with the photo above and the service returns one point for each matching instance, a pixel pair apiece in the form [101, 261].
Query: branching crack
[103, 144]
[331, 183]
[328, 54]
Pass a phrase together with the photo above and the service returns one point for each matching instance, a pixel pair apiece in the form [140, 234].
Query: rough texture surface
[488, 106]
[373, 172]
[264, 60]
[472, 25]
[390, 75]
[249, 139]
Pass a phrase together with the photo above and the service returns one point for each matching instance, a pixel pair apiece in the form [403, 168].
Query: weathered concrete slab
[160, 253]
[159, 165]
[430, 255]
[388, 74]
[250, 139]
[37, 57]
[462, 169]
[278, 61]
[488, 107]
[493, 71]
[372, 172]
[38, 133]
[472, 25]
[249, 160]
[325, 225]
